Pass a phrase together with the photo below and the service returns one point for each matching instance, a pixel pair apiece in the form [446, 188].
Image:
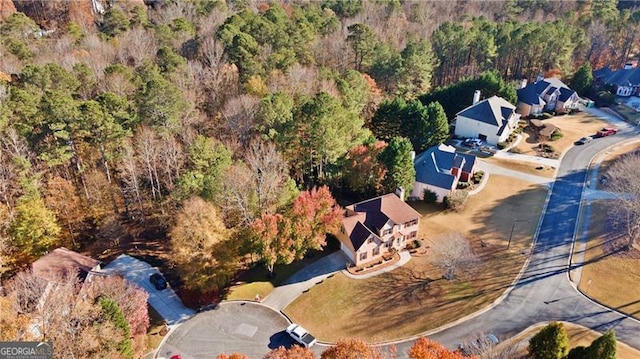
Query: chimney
[476, 97]
[540, 77]
[628, 66]
[413, 156]
[523, 84]
[400, 193]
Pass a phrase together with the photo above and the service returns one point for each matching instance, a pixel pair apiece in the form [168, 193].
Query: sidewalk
[405, 257]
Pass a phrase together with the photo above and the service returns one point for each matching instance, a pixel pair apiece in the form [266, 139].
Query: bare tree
[147, 147]
[172, 160]
[487, 346]
[624, 180]
[239, 113]
[130, 184]
[454, 256]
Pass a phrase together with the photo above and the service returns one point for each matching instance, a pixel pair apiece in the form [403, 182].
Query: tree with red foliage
[313, 214]
[295, 352]
[364, 173]
[272, 240]
[425, 348]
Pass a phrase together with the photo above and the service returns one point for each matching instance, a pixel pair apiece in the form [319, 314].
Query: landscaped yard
[578, 335]
[415, 298]
[572, 127]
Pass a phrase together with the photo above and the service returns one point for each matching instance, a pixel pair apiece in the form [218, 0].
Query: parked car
[584, 140]
[301, 335]
[607, 131]
[158, 281]
[472, 142]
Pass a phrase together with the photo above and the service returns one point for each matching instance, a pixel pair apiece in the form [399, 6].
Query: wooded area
[212, 128]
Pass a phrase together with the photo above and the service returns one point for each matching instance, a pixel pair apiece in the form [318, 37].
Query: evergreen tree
[582, 80]
[551, 342]
[397, 157]
[603, 347]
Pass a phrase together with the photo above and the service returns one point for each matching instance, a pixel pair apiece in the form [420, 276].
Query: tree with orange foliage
[314, 213]
[351, 349]
[425, 348]
[232, 356]
[295, 352]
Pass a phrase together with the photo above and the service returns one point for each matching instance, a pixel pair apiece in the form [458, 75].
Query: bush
[556, 135]
[502, 145]
[602, 348]
[577, 353]
[456, 200]
[417, 243]
[430, 196]
[551, 342]
[463, 185]
[477, 177]
[547, 115]
[547, 148]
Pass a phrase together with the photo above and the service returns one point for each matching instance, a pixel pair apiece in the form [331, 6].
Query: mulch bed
[364, 268]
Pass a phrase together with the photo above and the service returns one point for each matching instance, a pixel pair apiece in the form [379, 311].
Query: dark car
[584, 140]
[158, 281]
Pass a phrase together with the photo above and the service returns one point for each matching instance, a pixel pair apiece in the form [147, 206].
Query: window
[370, 240]
[388, 243]
[376, 251]
[363, 256]
[413, 234]
[411, 223]
[387, 232]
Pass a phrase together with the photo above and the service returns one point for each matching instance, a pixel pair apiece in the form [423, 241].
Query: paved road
[544, 292]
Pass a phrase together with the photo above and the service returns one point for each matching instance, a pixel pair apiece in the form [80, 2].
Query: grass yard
[611, 279]
[630, 114]
[256, 280]
[415, 298]
[578, 335]
[572, 126]
[526, 167]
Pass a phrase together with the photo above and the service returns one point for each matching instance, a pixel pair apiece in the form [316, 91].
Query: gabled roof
[529, 96]
[622, 77]
[433, 166]
[494, 111]
[532, 93]
[63, 262]
[365, 218]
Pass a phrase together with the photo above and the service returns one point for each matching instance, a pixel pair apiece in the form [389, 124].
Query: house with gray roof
[492, 120]
[439, 169]
[548, 94]
[626, 81]
[376, 226]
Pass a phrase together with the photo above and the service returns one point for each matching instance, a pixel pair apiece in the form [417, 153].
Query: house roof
[433, 166]
[62, 262]
[494, 111]
[532, 93]
[365, 218]
[621, 77]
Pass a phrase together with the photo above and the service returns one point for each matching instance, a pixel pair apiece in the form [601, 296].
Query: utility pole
[513, 226]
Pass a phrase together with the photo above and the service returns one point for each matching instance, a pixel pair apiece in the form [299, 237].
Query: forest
[232, 130]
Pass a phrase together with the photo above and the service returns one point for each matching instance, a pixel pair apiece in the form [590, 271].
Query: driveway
[232, 327]
[165, 302]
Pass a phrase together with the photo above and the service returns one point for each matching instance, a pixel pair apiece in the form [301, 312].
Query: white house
[626, 80]
[491, 120]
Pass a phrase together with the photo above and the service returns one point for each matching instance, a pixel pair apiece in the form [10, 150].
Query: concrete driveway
[243, 327]
[165, 301]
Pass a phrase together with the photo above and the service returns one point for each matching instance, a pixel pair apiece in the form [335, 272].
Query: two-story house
[492, 120]
[548, 94]
[376, 226]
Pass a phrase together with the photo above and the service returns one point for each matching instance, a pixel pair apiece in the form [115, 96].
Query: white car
[301, 335]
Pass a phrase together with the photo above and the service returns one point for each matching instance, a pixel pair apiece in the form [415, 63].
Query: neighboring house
[626, 81]
[376, 226]
[548, 94]
[62, 262]
[439, 169]
[491, 120]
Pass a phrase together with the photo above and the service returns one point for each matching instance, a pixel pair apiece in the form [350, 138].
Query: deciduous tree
[626, 208]
[425, 348]
[454, 256]
[294, 352]
[351, 349]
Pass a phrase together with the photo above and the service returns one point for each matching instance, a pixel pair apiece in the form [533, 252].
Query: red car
[607, 131]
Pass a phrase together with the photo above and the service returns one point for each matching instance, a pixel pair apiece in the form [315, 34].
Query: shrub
[463, 185]
[477, 177]
[577, 353]
[417, 243]
[602, 348]
[455, 201]
[430, 196]
[547, 115]
[502, 145]
[544, 147]
[556, 135]
[551, 342]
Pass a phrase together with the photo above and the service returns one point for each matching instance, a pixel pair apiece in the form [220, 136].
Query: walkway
[304, 279]
[405, 257]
